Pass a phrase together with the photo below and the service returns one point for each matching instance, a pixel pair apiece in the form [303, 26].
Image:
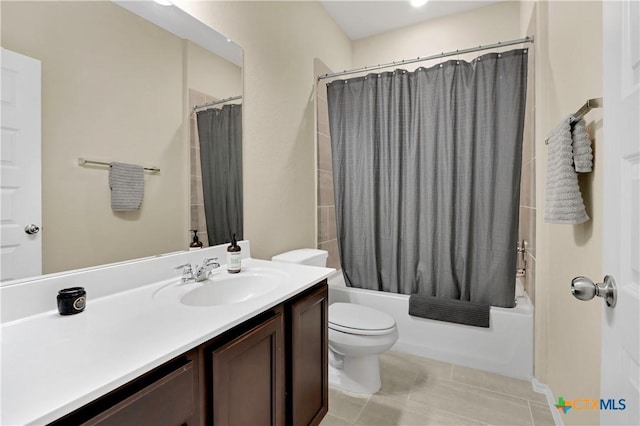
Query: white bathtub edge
[511, 330]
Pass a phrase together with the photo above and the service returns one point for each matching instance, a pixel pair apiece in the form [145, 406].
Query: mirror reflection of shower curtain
[220, 133]
[426, 168]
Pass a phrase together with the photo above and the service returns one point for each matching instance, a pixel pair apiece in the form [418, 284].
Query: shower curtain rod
[221, 101]
[528, 39]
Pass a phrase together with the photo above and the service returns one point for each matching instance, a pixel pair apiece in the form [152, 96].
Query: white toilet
[357, 335]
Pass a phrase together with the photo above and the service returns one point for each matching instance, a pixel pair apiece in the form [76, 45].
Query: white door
[20, 251]
[620, 149]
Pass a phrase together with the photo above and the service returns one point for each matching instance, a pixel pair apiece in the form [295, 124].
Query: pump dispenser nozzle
[196, 243]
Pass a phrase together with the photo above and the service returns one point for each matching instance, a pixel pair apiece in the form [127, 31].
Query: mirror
[116, 87]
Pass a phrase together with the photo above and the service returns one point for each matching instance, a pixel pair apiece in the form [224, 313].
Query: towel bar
[584, 109]
[84, 161]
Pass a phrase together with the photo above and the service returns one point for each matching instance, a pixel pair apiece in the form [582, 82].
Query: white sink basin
[225, 289]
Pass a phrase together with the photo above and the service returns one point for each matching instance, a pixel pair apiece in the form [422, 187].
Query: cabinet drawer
[169, 400]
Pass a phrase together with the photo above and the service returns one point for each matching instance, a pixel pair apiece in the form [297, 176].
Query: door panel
[20, 166]
[621, 231]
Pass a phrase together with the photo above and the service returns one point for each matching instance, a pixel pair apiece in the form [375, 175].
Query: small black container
[71, 300]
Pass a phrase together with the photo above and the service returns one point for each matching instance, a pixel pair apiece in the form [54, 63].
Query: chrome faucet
[187, 273]
[203, 272]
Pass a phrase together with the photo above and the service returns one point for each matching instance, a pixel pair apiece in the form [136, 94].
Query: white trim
[546, 390]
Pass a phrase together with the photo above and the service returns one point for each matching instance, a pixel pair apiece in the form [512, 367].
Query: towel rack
[584, 109]
[84, 161]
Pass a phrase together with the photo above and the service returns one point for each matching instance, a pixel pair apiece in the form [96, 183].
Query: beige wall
[211, 74]
[485, 25]
[568, 72]
[111, 96]
[100, 101]
[280, 41]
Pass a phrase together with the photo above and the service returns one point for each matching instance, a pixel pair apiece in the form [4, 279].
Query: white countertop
[53, 364]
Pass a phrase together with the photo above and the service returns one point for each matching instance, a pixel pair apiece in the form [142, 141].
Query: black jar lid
[71, 292]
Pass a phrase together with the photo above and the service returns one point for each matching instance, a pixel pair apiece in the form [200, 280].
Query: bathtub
[506, 347]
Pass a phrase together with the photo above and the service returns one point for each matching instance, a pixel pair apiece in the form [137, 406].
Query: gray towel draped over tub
[127, 186]
[449, 310]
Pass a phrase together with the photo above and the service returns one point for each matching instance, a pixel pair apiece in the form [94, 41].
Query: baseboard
[545, 390]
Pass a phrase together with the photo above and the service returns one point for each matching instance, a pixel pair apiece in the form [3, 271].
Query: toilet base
[359, 374]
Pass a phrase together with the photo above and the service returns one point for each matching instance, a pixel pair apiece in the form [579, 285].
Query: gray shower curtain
[220, 133]
[426, 168]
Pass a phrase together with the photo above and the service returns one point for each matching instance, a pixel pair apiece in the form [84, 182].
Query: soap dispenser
[196, 243]
[233, 256]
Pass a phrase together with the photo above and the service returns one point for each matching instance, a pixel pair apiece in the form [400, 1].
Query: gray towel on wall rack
[563, 199]
[127, 186]
[582, 153]
[449, 310]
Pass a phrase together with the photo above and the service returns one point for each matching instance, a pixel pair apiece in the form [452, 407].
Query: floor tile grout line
[473, 419]
[362, 409]
[494, 391]
[474, 389]
[452, 379]
[448, 412]
[439, 409]
[531, 413]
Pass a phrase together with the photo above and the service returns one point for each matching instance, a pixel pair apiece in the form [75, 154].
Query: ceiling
[359, 19]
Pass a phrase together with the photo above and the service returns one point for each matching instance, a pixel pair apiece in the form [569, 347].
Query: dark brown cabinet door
[249, 378]
[168, 401]
[307, 359]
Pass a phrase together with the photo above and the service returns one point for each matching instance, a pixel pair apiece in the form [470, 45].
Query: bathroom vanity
[140, 356]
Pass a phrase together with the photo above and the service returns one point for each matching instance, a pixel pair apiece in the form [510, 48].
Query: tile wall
[527, 230]
[198, 220]
[327, 236]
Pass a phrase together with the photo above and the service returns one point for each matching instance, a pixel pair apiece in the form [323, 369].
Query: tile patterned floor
[421, 391]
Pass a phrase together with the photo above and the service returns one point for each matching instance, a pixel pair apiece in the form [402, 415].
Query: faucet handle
[210, 262]
[187, 272]
[186, 268]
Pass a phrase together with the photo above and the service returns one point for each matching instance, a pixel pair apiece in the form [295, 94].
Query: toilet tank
[311, 257]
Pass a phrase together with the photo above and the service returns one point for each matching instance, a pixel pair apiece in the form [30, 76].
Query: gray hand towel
[127, 186]
[582, 154]
[563, 199]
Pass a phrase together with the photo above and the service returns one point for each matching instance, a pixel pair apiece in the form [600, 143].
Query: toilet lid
[359, 319]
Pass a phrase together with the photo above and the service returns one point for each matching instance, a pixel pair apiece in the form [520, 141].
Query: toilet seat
[360, 320]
